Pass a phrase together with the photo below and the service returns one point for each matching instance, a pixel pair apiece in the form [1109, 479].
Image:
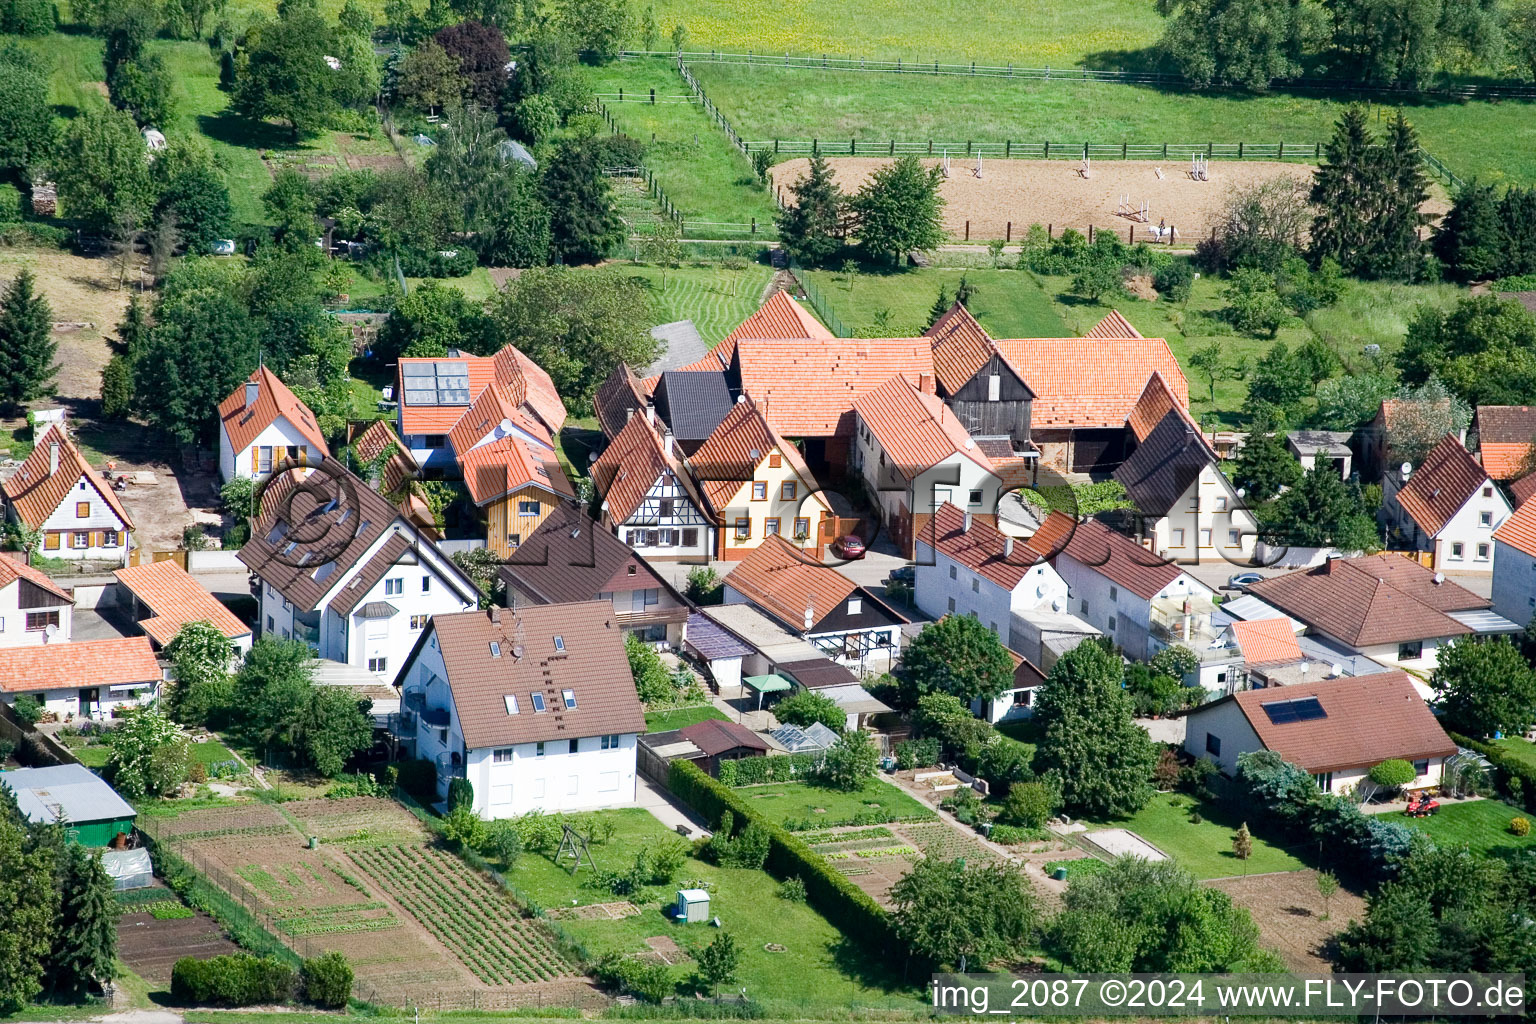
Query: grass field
[1521, 750]
[701, 172]
[1480, 825]
[809, 973]
[1496, 141]
[1204, 849]
[682, 718]
[715, 298]
[1009, 304]
[795, 800]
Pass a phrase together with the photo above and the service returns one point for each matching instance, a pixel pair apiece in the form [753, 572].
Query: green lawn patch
[1009, 303]
[1078, 868]
[1493, 140]
[715, 298]
[1480, 825]
[93, 757]
[211, 752]
[808, 975]
[1203, 849]
[798, 801]
[1518, 749]
[681, 718]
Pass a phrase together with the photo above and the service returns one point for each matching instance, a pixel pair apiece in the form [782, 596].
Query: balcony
[309, 634]
[402, 725]
[1187, 623]
[449, 766]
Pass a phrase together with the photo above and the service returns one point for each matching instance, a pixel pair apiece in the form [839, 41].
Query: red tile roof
[593, 665]
[1523, 489]
[916, 429]
[1267, 641]
[778, 317]
[629, 467]
[495, 405]
[59, 666]
[495, 470]
[983, 548]
[398, 469]
[526, 383]
[1504, 435]
[1519, 530]
[1367, 720]
[1113, 326]
[730, 456]
[716, 737]
[176, 599]
[961, 347]
[1112, 555]
[35, 493]
[1158, 400]
[807, 387]
[12, 568]
[1374, 599]
[515, 368]
[1446, 480]
[273, 399]
[1090, 383]
[784, 582]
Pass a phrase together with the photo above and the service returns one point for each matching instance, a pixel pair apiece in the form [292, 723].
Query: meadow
[1495, 141]
[1480, 825]
[716, 298]
[1198, 835]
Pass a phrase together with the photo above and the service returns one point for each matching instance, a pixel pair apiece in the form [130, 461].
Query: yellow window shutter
[303, 454]
[255, 459]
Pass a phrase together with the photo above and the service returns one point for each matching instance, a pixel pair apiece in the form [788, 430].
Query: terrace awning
[771, 683]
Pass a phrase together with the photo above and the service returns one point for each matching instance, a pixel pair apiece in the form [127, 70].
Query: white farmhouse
[57, 494]
[535, 707]
[966, 566]
[338, 567]
[914, 456]
[262, 424]
[85, 678]
[33, 608]
[649, 499]
[1514, 566]
[1446, 507]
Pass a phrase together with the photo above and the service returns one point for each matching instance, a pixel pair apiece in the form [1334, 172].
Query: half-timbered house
[649, 500]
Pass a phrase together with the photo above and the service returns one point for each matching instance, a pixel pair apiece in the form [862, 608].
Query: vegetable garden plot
[477, 922]
[255, 820]
[361, 819]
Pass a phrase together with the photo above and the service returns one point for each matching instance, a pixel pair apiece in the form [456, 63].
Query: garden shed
[71, 793]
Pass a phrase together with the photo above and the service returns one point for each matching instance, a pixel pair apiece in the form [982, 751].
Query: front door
[89, 697]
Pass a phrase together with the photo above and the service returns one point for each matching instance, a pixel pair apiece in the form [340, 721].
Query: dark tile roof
[1445, 481]
[1375, 599]
[1112, 555]
[815, 673]
[693, 402]
[572, 558]
[716, 737]
[593, 664]
[1163, 466]
[618, 397]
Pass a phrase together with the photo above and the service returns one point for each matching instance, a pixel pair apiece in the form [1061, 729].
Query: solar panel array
[442, 382]
[1302, 709]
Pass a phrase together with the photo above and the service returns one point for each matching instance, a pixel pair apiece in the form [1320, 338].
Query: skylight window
[278, 532]
[324, 572]
[538, 702]
[288, 548]
[559, 642]
[570, 698]
[496, 652]
[511, 701]
[1302, 709]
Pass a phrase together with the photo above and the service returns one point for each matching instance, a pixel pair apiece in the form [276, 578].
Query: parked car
[849, 547]
[905, 574]
[1241, 580]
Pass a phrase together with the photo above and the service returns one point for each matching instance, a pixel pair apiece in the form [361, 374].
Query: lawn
[807, 975]
[785, 801]
[1493, 140]
[1480, 825]
[666, 721]
[211, 752]
[704, 175]
[1518, 749]
[93, 757]
[1009, 303]
[1204, 849]
[715, 298]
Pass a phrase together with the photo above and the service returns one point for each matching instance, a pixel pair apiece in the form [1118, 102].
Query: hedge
[236, 980]
[850, 909]
[749, 771]
[1506, 768]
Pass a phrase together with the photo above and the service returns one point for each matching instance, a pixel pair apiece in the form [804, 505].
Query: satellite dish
[1439, 578]
[1405, 469]
[50, 631]
[1058, 605]
[1336, 669]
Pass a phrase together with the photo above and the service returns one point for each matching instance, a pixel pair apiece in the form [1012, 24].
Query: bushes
[923, 753]
[1517, 778]
[326, 980]
[750, 771]
[1393, 774]
[1519, 826]
[651, 982]
[747, 849]
[236, 980]
[461, 793]
[419, 779]
[1029, 805]
[850, 909]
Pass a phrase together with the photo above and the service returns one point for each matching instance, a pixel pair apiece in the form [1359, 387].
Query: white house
[914, 456]
[1446, 506]
[535, 707]
[966, 566]
[1337, 730]
[649, 499]
[1384, 606]
[1189, 510]
[1514, 566]
[1139, 600]
[85, 678]
[338, 566]
[58, 494]
[262, 424]
[33, 608]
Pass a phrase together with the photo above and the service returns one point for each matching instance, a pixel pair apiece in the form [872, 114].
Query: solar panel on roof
[417, 370]
[418, 397]
[1302, 709]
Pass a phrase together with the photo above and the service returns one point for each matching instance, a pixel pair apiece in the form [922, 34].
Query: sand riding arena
[1055, 193]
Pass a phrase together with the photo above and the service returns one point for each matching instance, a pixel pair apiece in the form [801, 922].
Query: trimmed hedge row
[1507, 768]
[236, 980]
[848, 907]
[748, 771]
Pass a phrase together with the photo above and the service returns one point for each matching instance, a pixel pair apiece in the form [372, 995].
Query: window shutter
[303, 454]
[255, 458]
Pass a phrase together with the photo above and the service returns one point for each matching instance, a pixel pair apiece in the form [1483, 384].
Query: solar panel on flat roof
[1302, 709]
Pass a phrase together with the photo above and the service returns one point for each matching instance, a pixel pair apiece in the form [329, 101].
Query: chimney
[810, 615]
[629, 413]
[650, 413]
[252, 389]
[53, 457]
[1007, 547]
[666, 442]
[925, 383]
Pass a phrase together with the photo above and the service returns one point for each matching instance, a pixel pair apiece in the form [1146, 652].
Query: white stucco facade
[1514, 583]
[945, 586]
[1209, 523]
[26, 627]
[1465, 543]
[85, 527]
[279, 441]
[1123, 616]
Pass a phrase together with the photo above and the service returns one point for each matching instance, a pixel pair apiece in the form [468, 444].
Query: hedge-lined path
[666, 809]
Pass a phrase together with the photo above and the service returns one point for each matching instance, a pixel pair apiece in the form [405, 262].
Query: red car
[849, 547]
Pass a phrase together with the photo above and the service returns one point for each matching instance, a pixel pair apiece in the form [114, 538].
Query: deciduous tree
[149, 754]
[850, 762]
[282, 72]
[102, 169]
[482, 55]
[957, 655]
[900, 210]
[948, 910]
[1246, 43]
[1484, 687]
[26, 121]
